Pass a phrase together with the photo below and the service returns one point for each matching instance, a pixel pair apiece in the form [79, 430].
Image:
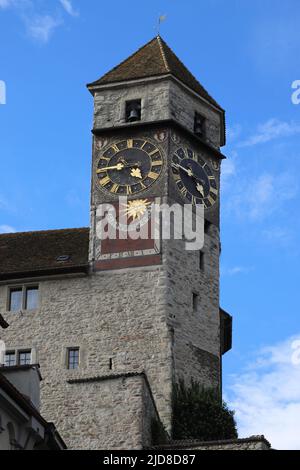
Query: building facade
[115, 323]
[21, 425]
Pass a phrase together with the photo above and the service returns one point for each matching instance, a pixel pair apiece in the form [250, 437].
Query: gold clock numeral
[105, 158]
[157, 163]
[152, 153]
[104, 181]
[211, 178]
[129, 143]
[214, 191]
[128, 190]
[115, 188]
[144, 144]
[153, 175]
[183, 191]
[143, 186]
[115, 147]
[211, 200]
[193, 200]
[176, 177]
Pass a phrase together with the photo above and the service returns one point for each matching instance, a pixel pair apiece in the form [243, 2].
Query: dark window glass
[73, 358]
[24, 358]
[32, 298]
[15, 300]
[10, 359]
[207, 226]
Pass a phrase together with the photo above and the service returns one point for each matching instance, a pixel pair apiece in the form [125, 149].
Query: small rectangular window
[15, 299]
[195, 302]
[73, 358]
[24, 358]
[10, 359]
[32, 296]
[207, 226]
[133, 110]
[199, 125]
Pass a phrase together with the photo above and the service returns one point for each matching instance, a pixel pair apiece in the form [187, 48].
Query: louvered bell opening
[199, 125]
[133, 110]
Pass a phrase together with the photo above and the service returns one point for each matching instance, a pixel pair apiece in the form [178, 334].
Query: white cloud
[4, 3]
[262, 196]
[39, 25]
[279, 234]
[228, 170]
[233, 132]
[266, 396]
[3, 203]
[68, 7]
[7, 229]
[235, 270]
[270, 130]
[15, 3]
[42, 27]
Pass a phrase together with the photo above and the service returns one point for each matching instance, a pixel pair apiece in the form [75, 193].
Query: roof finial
[161, 18]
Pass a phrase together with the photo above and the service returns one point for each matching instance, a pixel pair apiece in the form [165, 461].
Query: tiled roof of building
[154, 59]
[44, 250]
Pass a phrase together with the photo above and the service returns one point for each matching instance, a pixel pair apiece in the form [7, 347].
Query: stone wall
[183, 106]
[117, 319]
[109, 104]
[161, 99]
[195, 333]
[123, 410]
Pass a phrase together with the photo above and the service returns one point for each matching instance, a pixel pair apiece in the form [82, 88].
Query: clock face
[129, 166]
[194, 178]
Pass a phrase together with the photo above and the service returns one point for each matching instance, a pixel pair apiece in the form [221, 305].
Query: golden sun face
[136, 209]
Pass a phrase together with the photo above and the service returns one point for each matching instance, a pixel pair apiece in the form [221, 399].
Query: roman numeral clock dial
[194, 178]
[129, 166]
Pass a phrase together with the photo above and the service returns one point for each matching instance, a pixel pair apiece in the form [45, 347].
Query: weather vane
[161, 18]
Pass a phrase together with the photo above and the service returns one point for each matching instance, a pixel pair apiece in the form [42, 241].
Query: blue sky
[246, 53]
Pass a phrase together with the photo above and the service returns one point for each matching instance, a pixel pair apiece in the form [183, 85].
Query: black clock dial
[194, 178]
[129, 166]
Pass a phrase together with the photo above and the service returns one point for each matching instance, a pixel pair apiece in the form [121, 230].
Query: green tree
[199, 413]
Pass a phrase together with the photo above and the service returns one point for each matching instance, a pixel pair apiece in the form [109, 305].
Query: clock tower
[157, 135]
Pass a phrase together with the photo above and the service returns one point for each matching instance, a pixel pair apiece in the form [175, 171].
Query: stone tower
[137, 315]
[175, 310]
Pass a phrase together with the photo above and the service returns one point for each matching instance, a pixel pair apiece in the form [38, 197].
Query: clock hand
[119, 166]
[186, 170]
[200, 189]
[200, 186]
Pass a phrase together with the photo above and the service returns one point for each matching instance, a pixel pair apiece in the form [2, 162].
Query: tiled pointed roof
[154, 59]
